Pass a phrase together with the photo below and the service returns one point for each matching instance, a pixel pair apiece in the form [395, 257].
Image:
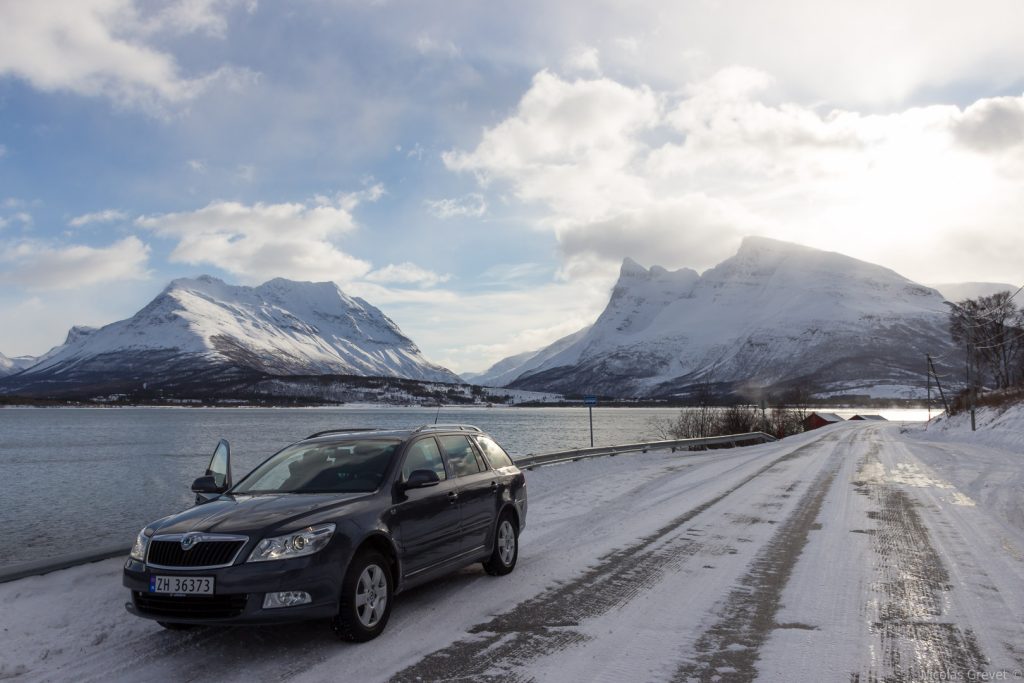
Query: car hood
[256, 513]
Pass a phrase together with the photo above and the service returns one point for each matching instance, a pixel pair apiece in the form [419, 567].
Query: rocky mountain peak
[281, 327]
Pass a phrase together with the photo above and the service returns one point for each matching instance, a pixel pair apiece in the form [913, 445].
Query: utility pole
[945, 404]
[970, 383]
[969, 324]
[928, 374]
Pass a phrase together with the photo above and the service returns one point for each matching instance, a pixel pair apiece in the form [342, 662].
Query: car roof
[356, 433]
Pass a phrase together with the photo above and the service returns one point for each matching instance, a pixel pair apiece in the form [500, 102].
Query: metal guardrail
[729, 441]
[40, 567]
[52, 564]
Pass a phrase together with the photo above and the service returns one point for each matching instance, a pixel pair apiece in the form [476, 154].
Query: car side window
[423, 455]
[495, 454]
[460, 454]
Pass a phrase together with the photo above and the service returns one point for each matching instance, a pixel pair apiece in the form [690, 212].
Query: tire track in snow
[728, 651]
[547, 623]
[916, 637]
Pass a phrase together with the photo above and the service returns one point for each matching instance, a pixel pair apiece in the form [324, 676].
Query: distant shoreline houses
[818, 420]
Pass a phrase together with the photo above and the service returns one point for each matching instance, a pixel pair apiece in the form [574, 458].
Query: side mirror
[419, 479]
[217, 479]
[207, 484]
[220, 465]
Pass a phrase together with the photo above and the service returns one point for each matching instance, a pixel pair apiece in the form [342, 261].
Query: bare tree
[788, 411]
[991, 330]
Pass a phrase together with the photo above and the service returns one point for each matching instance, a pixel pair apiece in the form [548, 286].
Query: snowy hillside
[203, 326]
[775, 315]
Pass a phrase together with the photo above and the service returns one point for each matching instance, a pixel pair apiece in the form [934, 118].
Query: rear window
[495, 454]
[460, 455]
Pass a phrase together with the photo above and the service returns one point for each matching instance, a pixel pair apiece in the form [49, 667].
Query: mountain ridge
[776, 315]
[203, 326]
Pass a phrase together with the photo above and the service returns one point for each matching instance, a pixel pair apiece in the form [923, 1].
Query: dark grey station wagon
[332, 527]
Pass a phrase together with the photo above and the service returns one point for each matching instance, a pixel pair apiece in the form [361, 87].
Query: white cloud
[676, 178]
[508, 273]
[105, 216]
[472, 331]
[191, 16]
[3, 151]
[428, 45]
[197, 165]
[873, 53]
[406, 274]
[471, 206]
[869, 53]
[370, 193]
[416, 152]
[39, 266]
[992, 125]
[97, 48]
[584, 60]
[559, 128]
[261, 241]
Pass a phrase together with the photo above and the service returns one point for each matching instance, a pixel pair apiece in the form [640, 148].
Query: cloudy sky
[479, 170]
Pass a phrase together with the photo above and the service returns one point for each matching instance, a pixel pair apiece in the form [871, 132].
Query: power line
[985, 312]
[1002, 343]
[1016, 293]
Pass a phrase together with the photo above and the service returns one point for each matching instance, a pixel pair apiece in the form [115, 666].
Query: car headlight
[296, 544]
[139, 549]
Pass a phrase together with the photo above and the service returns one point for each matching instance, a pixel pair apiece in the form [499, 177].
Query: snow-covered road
[838, 555]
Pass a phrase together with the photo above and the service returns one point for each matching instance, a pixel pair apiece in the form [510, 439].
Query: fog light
[285, 599]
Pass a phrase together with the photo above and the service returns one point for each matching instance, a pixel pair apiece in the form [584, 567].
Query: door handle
[453, 496]
[494, 487]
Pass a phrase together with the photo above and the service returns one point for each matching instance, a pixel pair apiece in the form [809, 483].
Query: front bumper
[239, 591]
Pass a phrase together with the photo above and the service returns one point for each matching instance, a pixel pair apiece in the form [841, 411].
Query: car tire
[506, 547]
[171, 626]
[366, 596]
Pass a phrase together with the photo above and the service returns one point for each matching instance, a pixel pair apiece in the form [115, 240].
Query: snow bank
[1001, 427]
[987, 465]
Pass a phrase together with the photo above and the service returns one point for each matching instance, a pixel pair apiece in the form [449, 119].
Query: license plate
[181, 585]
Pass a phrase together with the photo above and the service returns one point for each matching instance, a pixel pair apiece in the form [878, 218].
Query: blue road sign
[590, 400]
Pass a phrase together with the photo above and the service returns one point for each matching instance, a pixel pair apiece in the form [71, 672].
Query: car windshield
[346, 467]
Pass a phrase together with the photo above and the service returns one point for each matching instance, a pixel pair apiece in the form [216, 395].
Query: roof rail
[460, 427]
[347, 430]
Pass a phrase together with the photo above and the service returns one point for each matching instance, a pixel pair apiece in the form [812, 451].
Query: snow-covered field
[846, 554]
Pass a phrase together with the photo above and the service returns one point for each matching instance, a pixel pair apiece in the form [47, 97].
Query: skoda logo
[189, 540]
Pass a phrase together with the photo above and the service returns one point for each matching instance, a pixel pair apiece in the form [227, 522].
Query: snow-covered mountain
[9, 366]
[505, 371]
[774, 316]
[204, 327]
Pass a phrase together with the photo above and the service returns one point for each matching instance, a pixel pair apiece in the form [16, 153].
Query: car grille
[202, 554]
[191, 606]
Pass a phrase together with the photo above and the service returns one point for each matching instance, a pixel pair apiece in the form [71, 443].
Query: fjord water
[82, 478]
